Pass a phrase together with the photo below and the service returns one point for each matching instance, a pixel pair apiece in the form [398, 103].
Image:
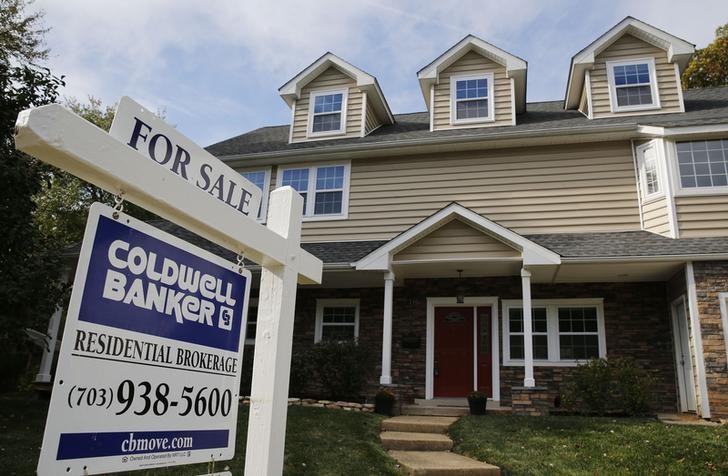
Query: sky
[214, 67]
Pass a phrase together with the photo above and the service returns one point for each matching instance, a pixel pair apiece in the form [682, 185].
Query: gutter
[646, 258]
[393, 145]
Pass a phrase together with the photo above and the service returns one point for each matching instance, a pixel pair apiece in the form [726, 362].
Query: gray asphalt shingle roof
[702, 107]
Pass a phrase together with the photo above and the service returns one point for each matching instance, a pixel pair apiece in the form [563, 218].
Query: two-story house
[489, 243]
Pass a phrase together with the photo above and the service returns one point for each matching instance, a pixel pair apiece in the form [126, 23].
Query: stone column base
[530, 401]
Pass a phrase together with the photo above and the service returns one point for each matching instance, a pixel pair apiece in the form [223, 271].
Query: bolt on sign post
[152, 165]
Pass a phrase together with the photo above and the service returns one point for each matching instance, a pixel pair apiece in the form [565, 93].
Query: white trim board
[697, 337]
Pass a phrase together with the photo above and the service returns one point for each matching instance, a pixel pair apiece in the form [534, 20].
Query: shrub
[342, 368]
[615, 385]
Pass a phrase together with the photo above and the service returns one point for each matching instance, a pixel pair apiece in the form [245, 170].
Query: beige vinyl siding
[456, 240]
[656, 216]
[702, 215]
[552, 189]
[630, 47]
[472, 63]
[372, 122]
[332, 78]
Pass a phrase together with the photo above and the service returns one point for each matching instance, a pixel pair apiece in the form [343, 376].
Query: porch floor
[684, 419]
[491, 406]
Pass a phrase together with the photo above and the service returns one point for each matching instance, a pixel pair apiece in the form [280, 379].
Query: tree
[709, 65]
[28, 272]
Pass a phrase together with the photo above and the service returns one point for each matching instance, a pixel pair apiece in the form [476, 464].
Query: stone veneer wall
[636, 322]
[711, 278]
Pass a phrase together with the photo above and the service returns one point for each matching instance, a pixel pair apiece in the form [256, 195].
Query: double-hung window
[327, 113]
[703, 164]
[564, 332]
[324, 189]
[261, 179]
[633, 85]
[471, 98]
[337, 320]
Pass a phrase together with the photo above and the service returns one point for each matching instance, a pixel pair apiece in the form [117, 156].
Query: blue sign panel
[140, 283]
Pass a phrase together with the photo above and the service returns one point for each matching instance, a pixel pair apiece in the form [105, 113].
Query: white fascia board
[532, 253]
[675, 132]
[678, 50]
[292, 89]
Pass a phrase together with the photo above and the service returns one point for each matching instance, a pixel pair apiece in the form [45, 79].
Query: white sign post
[59, 137]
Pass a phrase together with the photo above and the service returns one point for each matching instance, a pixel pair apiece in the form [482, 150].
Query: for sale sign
[150, 363]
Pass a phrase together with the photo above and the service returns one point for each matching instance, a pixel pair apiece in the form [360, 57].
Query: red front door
[453, 351]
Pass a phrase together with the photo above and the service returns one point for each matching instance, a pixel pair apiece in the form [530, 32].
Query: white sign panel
[144, 132]
[150, 363]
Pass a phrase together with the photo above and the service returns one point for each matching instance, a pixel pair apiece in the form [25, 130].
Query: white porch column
[386, 377]
[528, 380]
[54, 325]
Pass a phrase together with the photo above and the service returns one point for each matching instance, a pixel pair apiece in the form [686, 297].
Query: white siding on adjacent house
[552, 189]
[472, 63]
[456, 240]
[332, 78]
[702, 215]
[655, 215]
[630, 47]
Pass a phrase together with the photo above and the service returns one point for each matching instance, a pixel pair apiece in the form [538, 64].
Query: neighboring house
[490, 243]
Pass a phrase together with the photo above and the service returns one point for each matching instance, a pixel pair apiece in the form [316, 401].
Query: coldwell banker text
[171, 289]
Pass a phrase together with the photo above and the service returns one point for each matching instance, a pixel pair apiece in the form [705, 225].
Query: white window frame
[642, 170]
[674, 167]
[312, 101]
[311, 191]
[252, 303]
[552, 323]
[265, 192]
[654, 89]
[490, 97]
[322, 303]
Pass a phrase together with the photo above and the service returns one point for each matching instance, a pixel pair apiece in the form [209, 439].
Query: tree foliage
[709, 65]
[29, 265]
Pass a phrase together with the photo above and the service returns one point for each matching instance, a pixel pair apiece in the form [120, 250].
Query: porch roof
[574, 246]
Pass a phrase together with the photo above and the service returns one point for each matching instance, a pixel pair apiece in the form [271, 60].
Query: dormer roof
[515, 67]
[291, 91]
[678, 51]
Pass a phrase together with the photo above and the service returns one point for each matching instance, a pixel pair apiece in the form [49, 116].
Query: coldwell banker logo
[167, 287]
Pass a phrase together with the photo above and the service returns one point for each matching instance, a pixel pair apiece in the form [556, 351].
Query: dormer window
[327, 113]
[471, 98]
[633, 85]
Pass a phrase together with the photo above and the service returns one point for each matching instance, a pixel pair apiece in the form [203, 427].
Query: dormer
[474, 84]
[332, 99]
[632, 69]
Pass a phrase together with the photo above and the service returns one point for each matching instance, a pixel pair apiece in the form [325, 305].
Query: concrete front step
[433, 410]
[442, 463]
[418, 424]
[406, 441]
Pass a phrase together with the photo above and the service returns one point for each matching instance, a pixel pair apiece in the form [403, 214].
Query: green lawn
[591, 446]
[318, 442]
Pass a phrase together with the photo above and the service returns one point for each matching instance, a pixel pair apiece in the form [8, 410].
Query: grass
[319, 441]
[568, 445]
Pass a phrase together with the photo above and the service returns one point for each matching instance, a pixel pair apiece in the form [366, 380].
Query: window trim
[322, 303]
[641, 170]
[674, 168]
[552, 328]
[654, 87]
[312, 100]
[265, 192]
[490, 97]
[310, 192]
